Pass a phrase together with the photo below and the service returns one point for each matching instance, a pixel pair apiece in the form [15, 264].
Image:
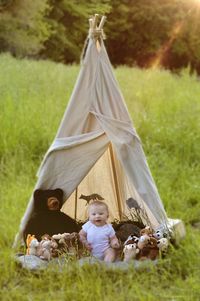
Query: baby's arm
[114, 243]
[83, 239]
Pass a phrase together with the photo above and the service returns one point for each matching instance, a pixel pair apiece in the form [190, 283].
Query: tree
[146, 33]
[23, 26]
[69, 22]
[154, 33]
[138, 28]
[186, 47]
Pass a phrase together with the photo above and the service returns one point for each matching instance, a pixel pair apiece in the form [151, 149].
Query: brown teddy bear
[149, 250]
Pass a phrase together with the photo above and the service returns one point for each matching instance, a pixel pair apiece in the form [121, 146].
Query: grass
[165, 109]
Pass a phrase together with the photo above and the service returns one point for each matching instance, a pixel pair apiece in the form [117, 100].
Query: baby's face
[98, 215]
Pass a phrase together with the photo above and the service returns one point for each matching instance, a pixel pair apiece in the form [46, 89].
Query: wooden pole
[115, 180]
[90, 22]
[95, 20]
[103, 19]
[76, 197]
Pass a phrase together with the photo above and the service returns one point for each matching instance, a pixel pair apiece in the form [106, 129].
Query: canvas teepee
[97, 149]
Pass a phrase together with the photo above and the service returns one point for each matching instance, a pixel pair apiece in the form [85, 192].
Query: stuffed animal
[130, 251]
[67, 242]
[32, 245]
[162, 231]
[147, 230]
[149, 251]
[143, 241]
[132, 239]
[43, 249]
[163, 245]
[46, 247]
[158, 234]
[123, 231]
[47, 217]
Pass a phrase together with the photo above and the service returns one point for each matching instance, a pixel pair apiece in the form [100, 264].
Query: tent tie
[96, 34]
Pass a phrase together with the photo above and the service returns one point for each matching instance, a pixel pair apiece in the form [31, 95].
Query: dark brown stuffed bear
[47, 217]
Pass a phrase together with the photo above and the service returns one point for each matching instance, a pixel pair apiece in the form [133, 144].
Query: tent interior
[108, 178]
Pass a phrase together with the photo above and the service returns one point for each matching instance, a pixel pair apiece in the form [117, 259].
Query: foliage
[23, 26]
[165, 109]
[69, 22]
[185, 49]
[154, 32]
[146, 33]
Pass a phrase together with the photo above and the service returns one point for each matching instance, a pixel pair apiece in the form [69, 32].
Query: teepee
[97, 149]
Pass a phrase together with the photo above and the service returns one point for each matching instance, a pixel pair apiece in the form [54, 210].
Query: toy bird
[90, 197]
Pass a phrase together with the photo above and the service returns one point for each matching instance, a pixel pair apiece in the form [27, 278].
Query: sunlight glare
[157, 61]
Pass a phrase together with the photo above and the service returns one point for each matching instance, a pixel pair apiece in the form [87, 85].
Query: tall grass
[165, 109]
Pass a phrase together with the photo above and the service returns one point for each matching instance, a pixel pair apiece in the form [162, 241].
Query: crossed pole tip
[93, 21]
[96, 30]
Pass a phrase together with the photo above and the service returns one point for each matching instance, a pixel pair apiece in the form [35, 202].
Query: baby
[97, 235]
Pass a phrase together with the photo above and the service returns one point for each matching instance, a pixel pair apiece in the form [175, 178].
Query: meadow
[165, 110]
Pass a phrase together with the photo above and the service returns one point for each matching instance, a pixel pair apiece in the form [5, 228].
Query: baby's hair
[98, 203]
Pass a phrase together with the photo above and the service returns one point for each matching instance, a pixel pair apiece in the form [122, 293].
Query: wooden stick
[76, 197]
[90, 23]
[103, 19]
[115, 181]
[95, 20]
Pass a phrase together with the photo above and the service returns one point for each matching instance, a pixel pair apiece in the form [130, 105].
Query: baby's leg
[109, 255]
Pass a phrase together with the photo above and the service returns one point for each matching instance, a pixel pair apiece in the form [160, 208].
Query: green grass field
[165, 109]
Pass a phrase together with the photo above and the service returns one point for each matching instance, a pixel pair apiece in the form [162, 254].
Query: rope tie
[96, 34]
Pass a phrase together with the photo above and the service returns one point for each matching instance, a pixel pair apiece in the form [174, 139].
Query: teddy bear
[47, 217]
[150, 250]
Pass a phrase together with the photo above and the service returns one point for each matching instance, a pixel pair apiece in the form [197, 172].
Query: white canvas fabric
[97, 149]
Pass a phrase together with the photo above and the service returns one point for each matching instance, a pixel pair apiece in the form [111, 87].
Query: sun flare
[157, 60]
